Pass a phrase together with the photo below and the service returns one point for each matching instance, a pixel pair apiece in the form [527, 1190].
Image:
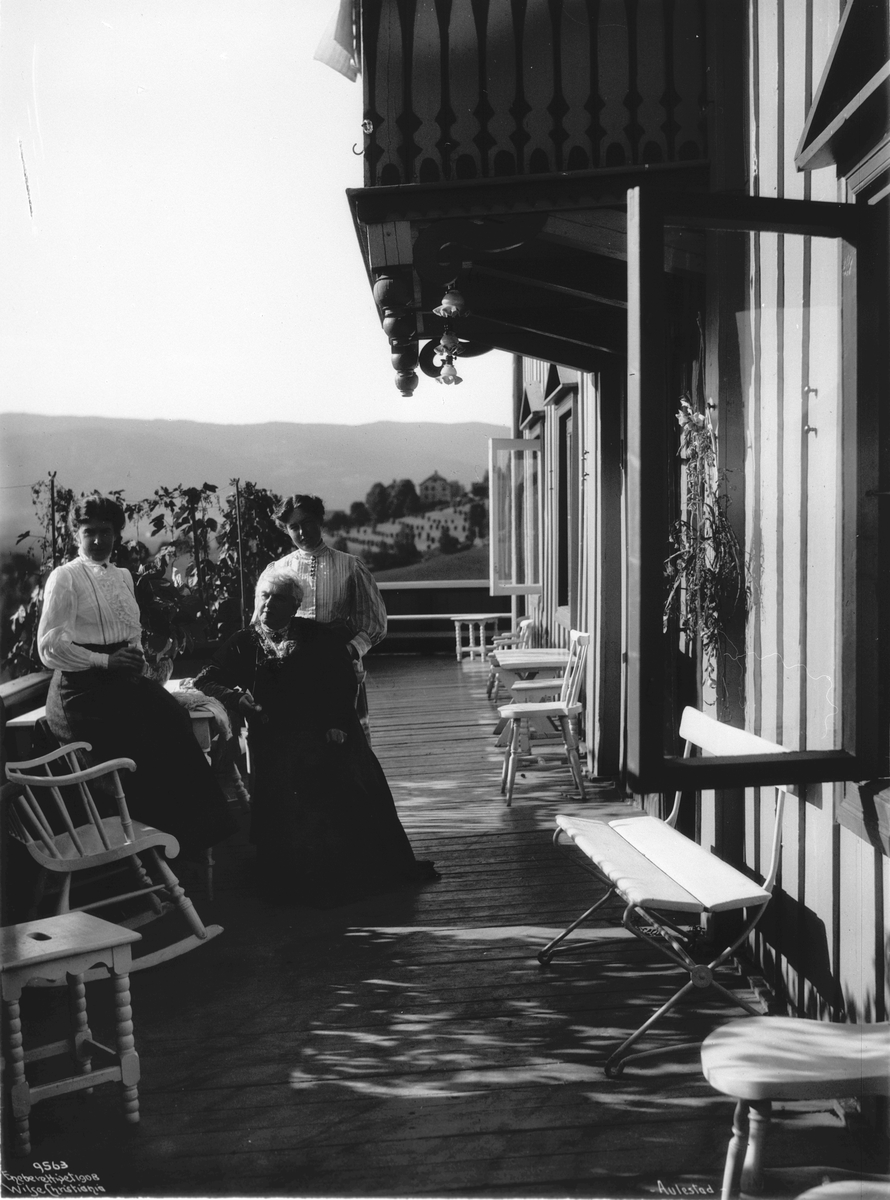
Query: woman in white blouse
[90, 634]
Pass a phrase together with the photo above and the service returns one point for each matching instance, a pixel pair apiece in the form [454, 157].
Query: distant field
[465, 564]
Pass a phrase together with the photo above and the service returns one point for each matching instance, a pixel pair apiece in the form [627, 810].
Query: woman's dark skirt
[173, 787]
[324, 821]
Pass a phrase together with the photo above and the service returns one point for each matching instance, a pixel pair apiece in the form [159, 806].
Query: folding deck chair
[668, 882]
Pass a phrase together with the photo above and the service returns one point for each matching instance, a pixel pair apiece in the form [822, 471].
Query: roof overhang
[849, 118]
[540, 262]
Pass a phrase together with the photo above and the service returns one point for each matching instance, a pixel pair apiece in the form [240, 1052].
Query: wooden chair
[54, 806]
[518, 639]
[668, 882]
[545, 684]
[763, 1059]
[563, 712]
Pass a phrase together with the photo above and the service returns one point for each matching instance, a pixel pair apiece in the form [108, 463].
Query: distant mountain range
[337, 462]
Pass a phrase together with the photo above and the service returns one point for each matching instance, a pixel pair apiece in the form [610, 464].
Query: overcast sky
[174, 233]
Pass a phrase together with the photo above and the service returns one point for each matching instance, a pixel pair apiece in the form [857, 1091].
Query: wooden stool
[57, 949]
[850, 1189]
[761, 1059]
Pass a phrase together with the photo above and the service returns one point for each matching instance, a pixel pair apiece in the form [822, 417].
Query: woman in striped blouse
[338, 589]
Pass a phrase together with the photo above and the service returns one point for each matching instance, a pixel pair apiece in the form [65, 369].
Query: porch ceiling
[540, 263]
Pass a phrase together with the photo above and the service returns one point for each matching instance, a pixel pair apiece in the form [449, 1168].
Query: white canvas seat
[668, 882]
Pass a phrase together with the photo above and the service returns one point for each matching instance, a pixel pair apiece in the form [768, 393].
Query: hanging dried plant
[706, 575]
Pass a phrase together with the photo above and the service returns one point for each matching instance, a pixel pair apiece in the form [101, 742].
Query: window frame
[648, 769]
[568, 544]
[497, 585]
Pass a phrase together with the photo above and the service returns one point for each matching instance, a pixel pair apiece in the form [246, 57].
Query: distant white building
[436, 489]
[426, 527]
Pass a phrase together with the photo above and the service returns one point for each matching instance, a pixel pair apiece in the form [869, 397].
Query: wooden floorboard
[411, 1044]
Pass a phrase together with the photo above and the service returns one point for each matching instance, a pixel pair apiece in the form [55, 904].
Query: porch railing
[471, 90]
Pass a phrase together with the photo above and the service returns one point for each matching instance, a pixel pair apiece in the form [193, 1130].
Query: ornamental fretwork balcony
[501, 138]
[481, 89]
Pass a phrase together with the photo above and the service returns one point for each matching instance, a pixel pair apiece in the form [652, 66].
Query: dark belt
[100, 648]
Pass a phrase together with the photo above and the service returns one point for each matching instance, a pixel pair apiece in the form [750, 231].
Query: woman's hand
[335, 735]
[129, 660]
[247, 704]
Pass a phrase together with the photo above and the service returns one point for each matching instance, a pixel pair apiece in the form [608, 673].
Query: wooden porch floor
[410, 1045]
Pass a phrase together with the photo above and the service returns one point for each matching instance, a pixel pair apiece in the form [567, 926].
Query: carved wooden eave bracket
[441, 253]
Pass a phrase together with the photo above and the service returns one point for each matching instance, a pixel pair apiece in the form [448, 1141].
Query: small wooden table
[512, 665]
[57, 949]
[477, 625]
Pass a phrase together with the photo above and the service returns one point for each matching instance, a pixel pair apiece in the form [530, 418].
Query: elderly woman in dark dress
[323, 819]
[90, 634]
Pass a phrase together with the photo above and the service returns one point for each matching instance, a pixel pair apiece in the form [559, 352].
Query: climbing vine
[706, 575]
[195, 586]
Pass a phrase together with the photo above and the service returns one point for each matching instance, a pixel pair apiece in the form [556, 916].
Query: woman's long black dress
[173, 787]
[323, 817]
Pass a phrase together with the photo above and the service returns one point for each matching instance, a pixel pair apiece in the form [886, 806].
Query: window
[515, 516]
[567, 516]
[691, 263]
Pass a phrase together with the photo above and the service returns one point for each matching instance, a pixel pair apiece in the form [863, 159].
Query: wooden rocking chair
[53, 806]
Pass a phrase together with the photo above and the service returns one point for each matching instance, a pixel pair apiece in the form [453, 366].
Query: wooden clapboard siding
[409, 1044]
[810, 270]
[784, 432]
[586, 601]
[823, 500]
[596, 587]
[570, 399]
[601, 604]
[580, 599]
[820, 569]
[534, 374]
[836, 884]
